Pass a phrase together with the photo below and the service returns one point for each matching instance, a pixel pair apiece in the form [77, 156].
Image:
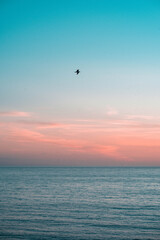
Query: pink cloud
[143, 117]
[15, 114]
[123, 139]
[112, 112]
[41, 124]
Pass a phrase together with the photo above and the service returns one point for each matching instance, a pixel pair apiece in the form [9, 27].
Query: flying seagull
[77, 71]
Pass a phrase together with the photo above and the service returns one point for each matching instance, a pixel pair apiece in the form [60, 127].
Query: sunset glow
[113, 141]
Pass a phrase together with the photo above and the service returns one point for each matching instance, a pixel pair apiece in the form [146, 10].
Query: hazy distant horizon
[82, 166]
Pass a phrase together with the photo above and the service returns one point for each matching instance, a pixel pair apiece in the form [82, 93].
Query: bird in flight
[77, 71]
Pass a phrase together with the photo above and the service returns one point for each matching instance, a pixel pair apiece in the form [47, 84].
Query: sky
[109, 114]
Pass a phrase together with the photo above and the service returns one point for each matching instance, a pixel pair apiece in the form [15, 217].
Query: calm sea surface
[79, 203]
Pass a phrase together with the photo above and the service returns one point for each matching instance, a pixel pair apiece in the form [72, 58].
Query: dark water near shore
[80, 203]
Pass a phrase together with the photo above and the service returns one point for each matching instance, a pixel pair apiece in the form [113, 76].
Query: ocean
[80, 203]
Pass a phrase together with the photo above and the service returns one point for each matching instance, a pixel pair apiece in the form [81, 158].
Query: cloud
[120, 138]
[112, 112]
[42, 124]
[15, 114]
[143, 117]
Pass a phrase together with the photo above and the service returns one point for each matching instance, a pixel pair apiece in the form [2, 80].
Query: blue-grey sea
[80, 203]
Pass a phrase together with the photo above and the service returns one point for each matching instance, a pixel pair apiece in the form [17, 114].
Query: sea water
[67, 203]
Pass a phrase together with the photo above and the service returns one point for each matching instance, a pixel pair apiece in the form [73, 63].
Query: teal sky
[115, 44]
